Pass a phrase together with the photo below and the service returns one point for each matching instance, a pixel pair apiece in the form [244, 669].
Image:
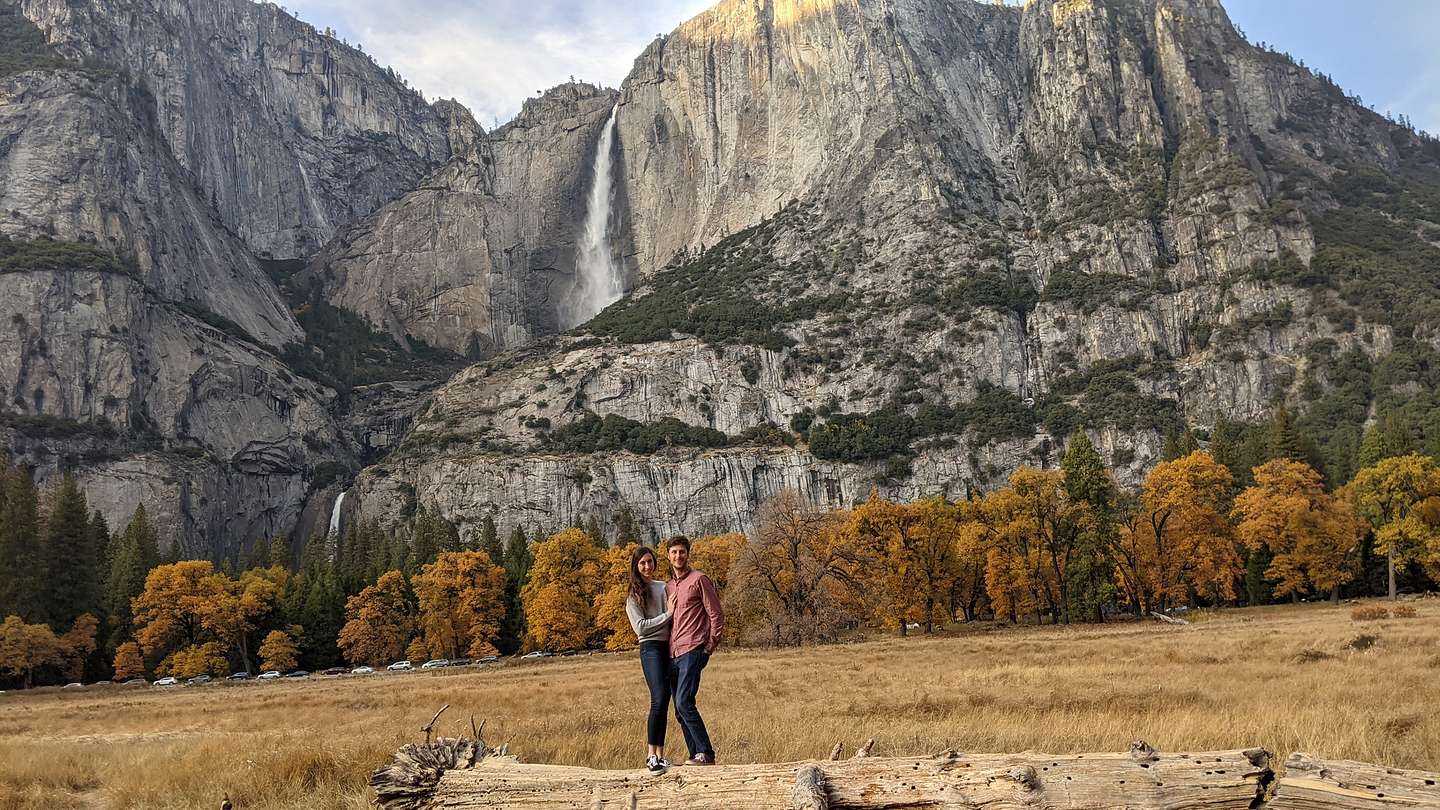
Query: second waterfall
[600, 279]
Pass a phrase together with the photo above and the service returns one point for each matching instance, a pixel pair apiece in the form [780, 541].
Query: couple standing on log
[679, 624]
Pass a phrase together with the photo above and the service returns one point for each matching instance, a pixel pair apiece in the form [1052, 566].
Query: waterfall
[335, 515]
[600, 280]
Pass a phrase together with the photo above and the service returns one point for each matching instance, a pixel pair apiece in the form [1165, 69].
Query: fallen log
[1142, 778]
[1315, 784]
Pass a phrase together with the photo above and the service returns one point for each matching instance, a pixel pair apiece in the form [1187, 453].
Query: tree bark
[1138, 780]
[1314, 784]
[1390, 565]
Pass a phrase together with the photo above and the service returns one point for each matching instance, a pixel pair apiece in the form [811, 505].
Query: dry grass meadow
[1288, 678]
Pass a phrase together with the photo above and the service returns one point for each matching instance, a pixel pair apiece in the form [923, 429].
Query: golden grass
[1288, 678]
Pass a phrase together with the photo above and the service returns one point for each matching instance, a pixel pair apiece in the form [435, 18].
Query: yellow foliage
[1313, 536]
[197, 659]
[279, 651]
[1180, 539]
[379, 622]
[128, 662]
[559, 599]
[1401, 498]
[462, 603]
[25, 648]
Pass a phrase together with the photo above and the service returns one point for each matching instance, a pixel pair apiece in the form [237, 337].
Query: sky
[492, 54]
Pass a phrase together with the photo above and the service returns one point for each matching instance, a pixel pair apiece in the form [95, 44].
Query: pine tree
[135, 554]
[70, 563]
[1258, 591]
[280, 553]
[1088, 482]
[9, 554]
[490, 541]
[1282, 440]
[595, 533]
[627, 530]
[1179, 444]
[517, 573]
[1387, 438]
[424, 543]
[23, 545]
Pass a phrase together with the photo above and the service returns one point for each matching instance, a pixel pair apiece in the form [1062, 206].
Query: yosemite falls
[600, 280]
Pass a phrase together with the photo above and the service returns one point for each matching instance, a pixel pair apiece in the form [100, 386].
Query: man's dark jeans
[687, 683]
[655, 661]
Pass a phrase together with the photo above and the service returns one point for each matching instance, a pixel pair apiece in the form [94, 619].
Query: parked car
[299, 673]
[460, 662]
[272, 675]
[239, 676]
[334, 671]
[136, 682]
[167, 682]
[74, 686]
[198, 680]
[362, 671]
[538, 654]
[400, 666]
[489, 659]
[438, 663]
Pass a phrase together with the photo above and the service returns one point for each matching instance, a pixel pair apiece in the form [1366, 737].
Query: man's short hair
[678, 540]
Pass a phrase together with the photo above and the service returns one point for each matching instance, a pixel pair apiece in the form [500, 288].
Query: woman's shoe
[656, 765]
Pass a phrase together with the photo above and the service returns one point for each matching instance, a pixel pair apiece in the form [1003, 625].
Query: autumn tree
[1400, 497]
[792, 583]
[462, 603]
[1179, 541]
[911, 557]
[713, 554]
[279, 651]
[417, 650]
[559, 599]
[78, 644]
[187, 616]
[129, 663]
[1312, 537]
[611, 620]
[25, 648]
[379, 621]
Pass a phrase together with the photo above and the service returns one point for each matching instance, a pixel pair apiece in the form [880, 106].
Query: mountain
[289, 133]
[905, 245]
[913, 245]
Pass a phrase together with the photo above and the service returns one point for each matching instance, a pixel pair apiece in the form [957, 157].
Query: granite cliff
[913, 245]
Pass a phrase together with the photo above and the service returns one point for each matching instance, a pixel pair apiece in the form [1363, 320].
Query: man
[696, 623]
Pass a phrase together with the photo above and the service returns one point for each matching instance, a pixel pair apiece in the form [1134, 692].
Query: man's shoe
[701, 759]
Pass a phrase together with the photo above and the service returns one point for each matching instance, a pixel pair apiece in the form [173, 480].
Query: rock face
[478, 258]
[153, 376]
[1025, 220]
[289, 134]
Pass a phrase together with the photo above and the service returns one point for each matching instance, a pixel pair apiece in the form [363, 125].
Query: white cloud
[492, 56]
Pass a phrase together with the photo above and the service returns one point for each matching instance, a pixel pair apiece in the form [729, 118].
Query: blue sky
[491, 54]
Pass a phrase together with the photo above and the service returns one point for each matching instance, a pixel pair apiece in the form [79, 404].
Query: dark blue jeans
[655, 660]
[687, 683]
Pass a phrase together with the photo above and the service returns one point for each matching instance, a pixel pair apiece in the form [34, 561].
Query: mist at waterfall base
[599, 280]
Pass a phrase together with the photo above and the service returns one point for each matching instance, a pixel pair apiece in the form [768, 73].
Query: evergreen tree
[9, 554]
[23, 547]
[1258, 590]
[595, 533]
[71, 564]
[1090, 573]
[627, 530]
[280, 553]
[1179, 444]
[135, 554]
[490, 541]
[259, 555]
[517, 573]
[1282, 440]
[1389, 437]
[425, 542]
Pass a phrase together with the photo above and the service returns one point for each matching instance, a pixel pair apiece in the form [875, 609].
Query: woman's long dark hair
[638, 590]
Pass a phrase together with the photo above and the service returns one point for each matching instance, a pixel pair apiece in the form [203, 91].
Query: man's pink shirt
[698, 620]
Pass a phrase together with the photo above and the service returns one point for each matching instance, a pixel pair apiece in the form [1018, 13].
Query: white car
[362, 671]
[167, 682]
[400, 666]
[537, 654]
[438, 663]
[272, 675]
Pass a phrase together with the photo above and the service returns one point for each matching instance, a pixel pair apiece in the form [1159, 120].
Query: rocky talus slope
[913, 245]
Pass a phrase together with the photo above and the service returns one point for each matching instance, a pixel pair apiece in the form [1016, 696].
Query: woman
[650, 618]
